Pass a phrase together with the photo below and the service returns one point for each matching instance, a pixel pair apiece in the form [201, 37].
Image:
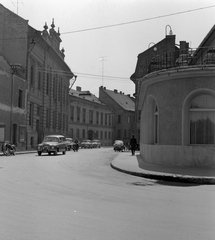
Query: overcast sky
[119, 45]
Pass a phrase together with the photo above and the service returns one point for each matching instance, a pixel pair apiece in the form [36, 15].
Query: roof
[86, 95]
[125, 101]
[202, 44]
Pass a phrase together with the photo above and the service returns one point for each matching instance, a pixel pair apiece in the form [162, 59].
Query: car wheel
[39, 153]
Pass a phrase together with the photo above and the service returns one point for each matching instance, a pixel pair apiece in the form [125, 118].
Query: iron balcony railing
[183, 58]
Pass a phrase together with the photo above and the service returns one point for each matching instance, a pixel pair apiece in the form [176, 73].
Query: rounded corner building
[175, 93]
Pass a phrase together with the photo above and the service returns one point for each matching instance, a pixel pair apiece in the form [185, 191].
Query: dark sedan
[52, 144]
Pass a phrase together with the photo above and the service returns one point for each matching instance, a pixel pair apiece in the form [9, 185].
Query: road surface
[78, 196]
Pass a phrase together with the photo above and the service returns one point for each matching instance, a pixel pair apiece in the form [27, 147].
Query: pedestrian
[133, 144]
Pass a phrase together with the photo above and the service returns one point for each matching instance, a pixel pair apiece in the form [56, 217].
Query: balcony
[183, 58]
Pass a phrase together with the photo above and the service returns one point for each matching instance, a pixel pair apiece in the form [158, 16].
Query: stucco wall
[182, 156]
[172, 92]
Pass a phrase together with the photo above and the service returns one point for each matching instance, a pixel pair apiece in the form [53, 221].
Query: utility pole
[102, 59]
[17, 5]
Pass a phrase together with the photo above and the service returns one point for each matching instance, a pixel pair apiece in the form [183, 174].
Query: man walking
[133, 144]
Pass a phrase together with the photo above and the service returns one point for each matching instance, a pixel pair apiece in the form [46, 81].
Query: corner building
[177, 105]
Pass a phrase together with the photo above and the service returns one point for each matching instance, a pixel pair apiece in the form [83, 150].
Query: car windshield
[51, 139]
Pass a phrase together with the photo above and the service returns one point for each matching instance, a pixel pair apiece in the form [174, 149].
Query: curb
[169, 177]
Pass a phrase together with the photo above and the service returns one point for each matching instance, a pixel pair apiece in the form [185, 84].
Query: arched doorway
[90, 134]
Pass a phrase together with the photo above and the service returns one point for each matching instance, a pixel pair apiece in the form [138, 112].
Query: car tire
[64, 152]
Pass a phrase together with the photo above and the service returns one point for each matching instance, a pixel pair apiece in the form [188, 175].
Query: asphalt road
[78, 196]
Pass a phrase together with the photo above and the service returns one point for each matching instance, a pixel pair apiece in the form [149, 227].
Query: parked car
[209, 57]
[96, 143]
[69, 144]
[118, 146]
[52, 144]
[86, 144]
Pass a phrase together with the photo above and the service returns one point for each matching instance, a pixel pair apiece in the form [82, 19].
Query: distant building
[123, 108]
[89, 118]
[34, 83]
[176, 100]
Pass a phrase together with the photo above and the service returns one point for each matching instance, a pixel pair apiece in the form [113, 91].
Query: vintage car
[118, 146]
[86, 144]
[96, 143]
[69, 144]
[52, 144]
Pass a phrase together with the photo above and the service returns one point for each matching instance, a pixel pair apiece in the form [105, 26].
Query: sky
[102, 38]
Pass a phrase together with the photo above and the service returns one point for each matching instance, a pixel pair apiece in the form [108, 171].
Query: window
[31, 111]
[97, 117]
[39, 80]
[77, 133]
[202, 119]
[105, 118]
[55, 87]
[84, 115]
[59, 121]
[129, 119]
[152, 129]
[109, 120]
[119, 119]
[32, 76]
[47, 118]
[54, 119]
[101, 118]
[78, 114]
[71, 113]
[91, 116]
[156, 125]
[119, 134]
[20, 104]
[22, 134]
[47, 83]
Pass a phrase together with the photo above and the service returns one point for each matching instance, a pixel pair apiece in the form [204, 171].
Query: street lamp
[170, 31]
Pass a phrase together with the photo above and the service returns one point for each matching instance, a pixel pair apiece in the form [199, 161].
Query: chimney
[115, 90]
[78, 89]
[184, 47]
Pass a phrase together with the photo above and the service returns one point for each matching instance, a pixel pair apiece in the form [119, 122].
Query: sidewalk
[134, 165]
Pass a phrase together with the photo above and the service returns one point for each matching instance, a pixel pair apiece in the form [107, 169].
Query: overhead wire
[89, 75]
[137, 21]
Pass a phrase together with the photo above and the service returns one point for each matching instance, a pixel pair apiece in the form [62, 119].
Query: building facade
[89, 118]
[34, 65]
[177, 105]
[123, 108]
[13, 49]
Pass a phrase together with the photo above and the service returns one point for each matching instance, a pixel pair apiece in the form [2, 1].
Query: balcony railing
[183, 58]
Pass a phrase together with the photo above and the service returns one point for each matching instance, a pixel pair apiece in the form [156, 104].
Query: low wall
[183, 156]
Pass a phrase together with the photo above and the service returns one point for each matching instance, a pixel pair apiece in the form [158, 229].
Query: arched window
[202, 119]
[152, 128]
[156, 124]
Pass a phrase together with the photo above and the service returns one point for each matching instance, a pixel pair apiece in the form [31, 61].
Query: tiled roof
[87, 95]
[125, 101]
